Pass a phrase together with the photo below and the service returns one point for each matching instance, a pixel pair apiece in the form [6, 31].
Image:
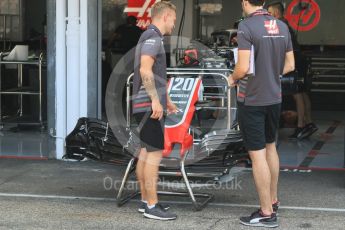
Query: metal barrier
[186, 72]
[214, 140]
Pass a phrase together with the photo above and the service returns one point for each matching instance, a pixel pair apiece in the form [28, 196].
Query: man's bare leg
[140, 172]
[300, 109]
[273, 164]
[307, 105]
[151, 176]
[262, 178]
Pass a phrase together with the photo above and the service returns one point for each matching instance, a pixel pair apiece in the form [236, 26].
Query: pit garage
[203, 39]
[205, 141]
[206, 167]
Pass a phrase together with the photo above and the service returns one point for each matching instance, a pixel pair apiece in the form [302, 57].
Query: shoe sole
[158, 218]
[308, 134]
[260, 225]
[141, 210]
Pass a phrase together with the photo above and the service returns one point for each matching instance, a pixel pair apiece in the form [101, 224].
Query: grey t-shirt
[151, 44]
[271, 41]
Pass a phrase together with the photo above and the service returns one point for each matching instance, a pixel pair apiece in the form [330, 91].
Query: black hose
[180, 30]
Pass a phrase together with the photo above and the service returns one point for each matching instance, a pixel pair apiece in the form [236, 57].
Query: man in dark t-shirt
[126, 36]
[265, 53]
[305, 125]
[149, 102]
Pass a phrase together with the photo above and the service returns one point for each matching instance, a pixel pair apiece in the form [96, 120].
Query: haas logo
[303, 18]
[141, 9]
[272, 27]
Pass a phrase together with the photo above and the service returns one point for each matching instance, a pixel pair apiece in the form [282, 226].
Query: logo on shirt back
[150, 42]
[272, 27]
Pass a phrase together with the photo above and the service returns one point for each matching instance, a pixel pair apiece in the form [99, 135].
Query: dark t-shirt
[300, 62]
[271, 41]
[295, 45]
[150, 43]
[128, 37]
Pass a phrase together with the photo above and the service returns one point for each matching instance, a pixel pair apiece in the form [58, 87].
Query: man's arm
[147, 76]
[289, 63]
[241, 68]
[148, 80]
[169, 101]
[172, 108]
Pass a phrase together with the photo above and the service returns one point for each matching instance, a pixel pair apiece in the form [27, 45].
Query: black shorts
[258, 124]
[151, 132]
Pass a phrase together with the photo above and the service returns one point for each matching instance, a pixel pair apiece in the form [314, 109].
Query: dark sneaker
[308, 130]
[297, 134]
[275, 207]
[141, 209]
[258, 219]
[158, 213]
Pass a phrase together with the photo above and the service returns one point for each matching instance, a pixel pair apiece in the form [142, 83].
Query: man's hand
[232, 82]
[157, 110]
[172, 108]
[289, 65]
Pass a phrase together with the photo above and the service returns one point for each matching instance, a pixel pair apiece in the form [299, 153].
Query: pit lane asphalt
[81, 195]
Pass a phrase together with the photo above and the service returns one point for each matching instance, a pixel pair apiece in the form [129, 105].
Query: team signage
[303, 15]
[141, 9]
[182, 91]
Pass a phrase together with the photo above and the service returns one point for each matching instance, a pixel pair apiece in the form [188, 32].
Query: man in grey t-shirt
[259, 98]
[150, 100]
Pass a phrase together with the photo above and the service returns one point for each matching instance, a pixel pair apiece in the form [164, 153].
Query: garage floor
[26, 143]
[324, 150]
